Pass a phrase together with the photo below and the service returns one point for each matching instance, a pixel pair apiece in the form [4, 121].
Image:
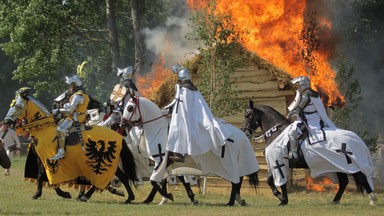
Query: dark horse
[272, 124]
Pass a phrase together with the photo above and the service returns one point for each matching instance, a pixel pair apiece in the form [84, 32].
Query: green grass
[15, 199]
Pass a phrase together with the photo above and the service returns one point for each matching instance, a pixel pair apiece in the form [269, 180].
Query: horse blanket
[343, 151]
[96, 161]
[231, 161]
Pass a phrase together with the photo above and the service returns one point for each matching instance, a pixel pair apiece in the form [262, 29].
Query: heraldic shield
[118, 93]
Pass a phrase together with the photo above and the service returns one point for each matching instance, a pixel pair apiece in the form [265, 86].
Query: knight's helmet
[301, 83]
[125, 73]
[183, 73]
[75, 80]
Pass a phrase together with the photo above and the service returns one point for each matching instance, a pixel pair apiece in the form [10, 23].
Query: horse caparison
[266, 118]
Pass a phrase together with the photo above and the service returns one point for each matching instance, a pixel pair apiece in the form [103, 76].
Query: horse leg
[343, 182]
[81, 193]
[238, 197]
[39, 190]
[188, 189]
[362, 179]
[275, 191]
[235, 188]
[284, 195]
[162, 191]
[87, 195]
[151, 196]
[115, 191]
[62, 193]
[124, 179]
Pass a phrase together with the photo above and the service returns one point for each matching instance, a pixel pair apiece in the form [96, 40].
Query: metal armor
[75, 111]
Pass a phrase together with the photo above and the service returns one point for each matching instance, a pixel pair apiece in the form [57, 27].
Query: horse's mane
[274, 114]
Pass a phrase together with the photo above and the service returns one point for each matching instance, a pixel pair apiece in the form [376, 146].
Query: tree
[220, 55]
[48, 39]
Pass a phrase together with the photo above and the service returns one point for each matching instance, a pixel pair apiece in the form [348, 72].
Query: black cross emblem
[344, 150]
[177, 104]
[160, 155]
[278, 166]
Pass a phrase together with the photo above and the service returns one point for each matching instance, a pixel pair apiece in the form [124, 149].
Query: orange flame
[321, 185]
[153, 80]
[272, 29]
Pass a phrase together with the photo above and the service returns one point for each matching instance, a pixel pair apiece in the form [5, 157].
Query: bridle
[133, 110]
[249, 129]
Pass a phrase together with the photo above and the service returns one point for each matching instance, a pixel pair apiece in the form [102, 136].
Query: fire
[321, 185]
[271, 29]
[152, 81]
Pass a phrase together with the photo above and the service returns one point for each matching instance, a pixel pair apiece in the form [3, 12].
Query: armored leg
[294, 134]
[62, 132]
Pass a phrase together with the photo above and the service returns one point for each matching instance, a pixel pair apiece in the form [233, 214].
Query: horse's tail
[254, 180]
[129, 164]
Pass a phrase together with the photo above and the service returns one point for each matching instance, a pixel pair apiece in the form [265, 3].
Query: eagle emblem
[100, 154]
[37, 116]
[52, 165]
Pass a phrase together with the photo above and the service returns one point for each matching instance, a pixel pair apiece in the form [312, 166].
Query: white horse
[235, 160]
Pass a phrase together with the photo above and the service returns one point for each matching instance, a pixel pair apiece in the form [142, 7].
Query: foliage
[219, 50]
[346, 116]
[48, 39]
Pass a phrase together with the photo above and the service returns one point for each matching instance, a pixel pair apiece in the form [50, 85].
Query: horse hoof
[336, 202]
[36, 196]
[66, 195]
[147, 201]
[170, 196]
[163, 201]
[242, 202]
[83, 199]
[195, 202]
[283, 203]
[128, 201]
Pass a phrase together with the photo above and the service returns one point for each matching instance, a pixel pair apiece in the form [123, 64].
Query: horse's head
[26, 107]
[140, 111]
[251, 121]
[131, 113]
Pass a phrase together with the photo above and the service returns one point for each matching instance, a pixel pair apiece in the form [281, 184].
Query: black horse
[272, 124]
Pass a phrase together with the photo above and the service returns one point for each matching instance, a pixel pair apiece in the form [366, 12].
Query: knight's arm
[177, 88]
[70, 107]
[112, 119]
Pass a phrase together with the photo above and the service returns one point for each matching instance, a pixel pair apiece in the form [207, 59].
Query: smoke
[170, 39]
[359, 24]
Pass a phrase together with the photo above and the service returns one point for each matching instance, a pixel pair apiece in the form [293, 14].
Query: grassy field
[15, 199]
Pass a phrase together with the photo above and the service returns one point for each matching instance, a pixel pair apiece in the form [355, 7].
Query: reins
[136, 123]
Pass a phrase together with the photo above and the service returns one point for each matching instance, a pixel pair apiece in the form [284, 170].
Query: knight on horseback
[192, 119]
[74, 111]
[307, 114]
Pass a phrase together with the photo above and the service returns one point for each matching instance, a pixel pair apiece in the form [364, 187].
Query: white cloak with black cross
[231, 161]
[193, 128]
[343, 151]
